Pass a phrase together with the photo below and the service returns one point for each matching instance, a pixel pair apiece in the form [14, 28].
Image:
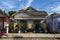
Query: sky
[50, 6]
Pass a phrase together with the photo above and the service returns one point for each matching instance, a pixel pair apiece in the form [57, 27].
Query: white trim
[29, 18]
[7, 29]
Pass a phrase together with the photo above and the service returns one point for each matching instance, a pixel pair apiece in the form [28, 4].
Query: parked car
[1, 33]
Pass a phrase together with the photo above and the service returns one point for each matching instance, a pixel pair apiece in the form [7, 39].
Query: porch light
[7, 25]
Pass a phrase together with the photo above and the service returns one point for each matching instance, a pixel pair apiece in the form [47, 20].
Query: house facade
[54, 23]
[29, 18]
[3, 20]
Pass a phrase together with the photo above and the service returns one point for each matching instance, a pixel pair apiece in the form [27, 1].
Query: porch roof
[30, 13]
[1, 15]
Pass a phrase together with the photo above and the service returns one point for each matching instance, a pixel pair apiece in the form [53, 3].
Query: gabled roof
[30, 8]
[3, 14]
[38, 13]
[32, 12]
[35, 12]
[53, 15]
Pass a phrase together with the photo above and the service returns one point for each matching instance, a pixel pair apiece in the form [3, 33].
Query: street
[28, 39]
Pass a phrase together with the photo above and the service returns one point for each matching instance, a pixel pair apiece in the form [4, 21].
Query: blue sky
[46, 5]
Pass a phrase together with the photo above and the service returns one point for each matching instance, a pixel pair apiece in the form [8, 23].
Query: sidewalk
[32, 35]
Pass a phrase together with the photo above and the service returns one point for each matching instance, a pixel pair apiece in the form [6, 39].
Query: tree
[53, 14]
[21, 26]
[11, 13]
[11, 24]
[10, 27]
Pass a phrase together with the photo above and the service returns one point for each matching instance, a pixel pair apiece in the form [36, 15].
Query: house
[54, 23]
[3, 20]
[30, 18]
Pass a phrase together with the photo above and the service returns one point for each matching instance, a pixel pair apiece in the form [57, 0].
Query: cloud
[53, 10]
[56, 8]
[38, 9]
[28, 3]
[7, 5]
[20, 0]
[15, 4]
[51, 7]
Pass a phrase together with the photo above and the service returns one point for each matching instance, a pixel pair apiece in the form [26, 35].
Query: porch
[27, 25]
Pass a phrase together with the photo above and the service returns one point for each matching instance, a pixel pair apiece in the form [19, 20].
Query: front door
[37, 26]
[1, 24]
[58, 27]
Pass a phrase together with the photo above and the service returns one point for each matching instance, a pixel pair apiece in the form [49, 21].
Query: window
[59, 25]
